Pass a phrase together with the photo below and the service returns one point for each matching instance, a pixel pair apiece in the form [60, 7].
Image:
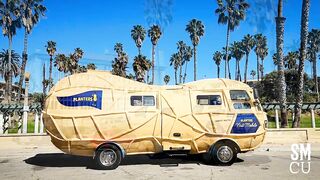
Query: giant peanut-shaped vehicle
[109, 117]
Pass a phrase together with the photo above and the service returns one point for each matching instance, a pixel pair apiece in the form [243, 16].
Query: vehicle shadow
[65, 160]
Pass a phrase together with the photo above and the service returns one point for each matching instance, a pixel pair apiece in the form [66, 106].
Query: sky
[96, 25]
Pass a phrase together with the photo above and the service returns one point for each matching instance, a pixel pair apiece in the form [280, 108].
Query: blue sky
[95, 26]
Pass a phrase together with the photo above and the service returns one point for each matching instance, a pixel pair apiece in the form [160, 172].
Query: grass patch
[305, 120]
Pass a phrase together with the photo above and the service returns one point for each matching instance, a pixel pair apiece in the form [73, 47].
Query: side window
[142, 100]
[136, 100]
[148, 100]
[209, 100]
[240, 99]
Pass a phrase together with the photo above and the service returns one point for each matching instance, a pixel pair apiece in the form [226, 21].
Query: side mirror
[255, 93]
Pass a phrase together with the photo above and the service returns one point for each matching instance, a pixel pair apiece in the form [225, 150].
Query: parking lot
[47, 162]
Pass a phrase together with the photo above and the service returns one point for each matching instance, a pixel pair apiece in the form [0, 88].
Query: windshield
[239, 95]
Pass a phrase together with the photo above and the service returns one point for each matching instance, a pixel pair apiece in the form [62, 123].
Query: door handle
[177, 134]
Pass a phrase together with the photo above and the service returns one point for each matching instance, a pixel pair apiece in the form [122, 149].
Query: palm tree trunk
[227, 71]
[139, 50]
[50, 72]
[24, 63]
[262, 68]
[185, 72]
[281, 78]
[175, 76]
[258, 70]
[218, 71]
[303, 53]
[9, 90]
[153, 57]
[236, 73]
[314, 73]
[180, 74]
[239, 73]
[246, 68]
[195, 63]
[44, 89]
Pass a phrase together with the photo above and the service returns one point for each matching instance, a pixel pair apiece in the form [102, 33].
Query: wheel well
[123, 153]
[228, 141]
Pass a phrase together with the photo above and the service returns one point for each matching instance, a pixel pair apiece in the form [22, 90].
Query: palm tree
[10, 21]
[225, 54]
[175, 61]
[119, 65]
[280, 64]
[237, 53]
[154, 33]
[181, 47]
[91, 66]
[253, 73]
[166, 79]
[61, 62]
[303, 53]
[261, 51]
[263, 55]
[141, 65]
[69, 64]
[118, 48]
[5, 63]
[247, 45]
[51, 50]
[313, 49]
[196, 29]
[138, 34]
[217, 57]
[274, 59]
[291, 60]
[31, 11]
[45, 83]
[230, 12]
[187, 55]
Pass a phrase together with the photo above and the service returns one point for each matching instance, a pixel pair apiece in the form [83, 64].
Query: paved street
[47, 162]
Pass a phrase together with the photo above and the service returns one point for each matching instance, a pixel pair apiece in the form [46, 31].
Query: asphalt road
[47, 162]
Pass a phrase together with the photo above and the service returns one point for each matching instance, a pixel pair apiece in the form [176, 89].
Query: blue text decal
[245, 123]
[89, 98]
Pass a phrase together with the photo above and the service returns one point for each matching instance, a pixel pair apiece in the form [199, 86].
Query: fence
[15, 116]
[311, 107]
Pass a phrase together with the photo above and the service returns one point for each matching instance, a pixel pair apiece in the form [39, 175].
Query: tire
[224, 153]
[108, 157]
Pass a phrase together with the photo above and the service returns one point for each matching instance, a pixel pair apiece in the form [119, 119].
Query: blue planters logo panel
[88, 98]
[245, 123]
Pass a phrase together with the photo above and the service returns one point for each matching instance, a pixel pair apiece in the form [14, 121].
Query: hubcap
[225, 154]
[108, 157]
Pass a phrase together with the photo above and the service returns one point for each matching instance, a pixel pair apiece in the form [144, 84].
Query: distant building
[15, 89]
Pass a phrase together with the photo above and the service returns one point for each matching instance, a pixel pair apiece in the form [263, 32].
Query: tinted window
[142, 101]
[136, 100]
[239, 95]
[209, 100]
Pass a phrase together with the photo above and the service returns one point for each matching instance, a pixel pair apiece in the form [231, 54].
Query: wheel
[224, 153]
[108, 157]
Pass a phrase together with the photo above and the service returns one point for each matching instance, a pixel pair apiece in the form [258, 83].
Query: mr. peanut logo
[88, 98]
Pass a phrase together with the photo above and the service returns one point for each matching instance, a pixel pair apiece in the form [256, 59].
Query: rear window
[142, 101]
[209, 100]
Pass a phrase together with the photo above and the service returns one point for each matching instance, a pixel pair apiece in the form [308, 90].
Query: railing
[290, 107]
[15, 117]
